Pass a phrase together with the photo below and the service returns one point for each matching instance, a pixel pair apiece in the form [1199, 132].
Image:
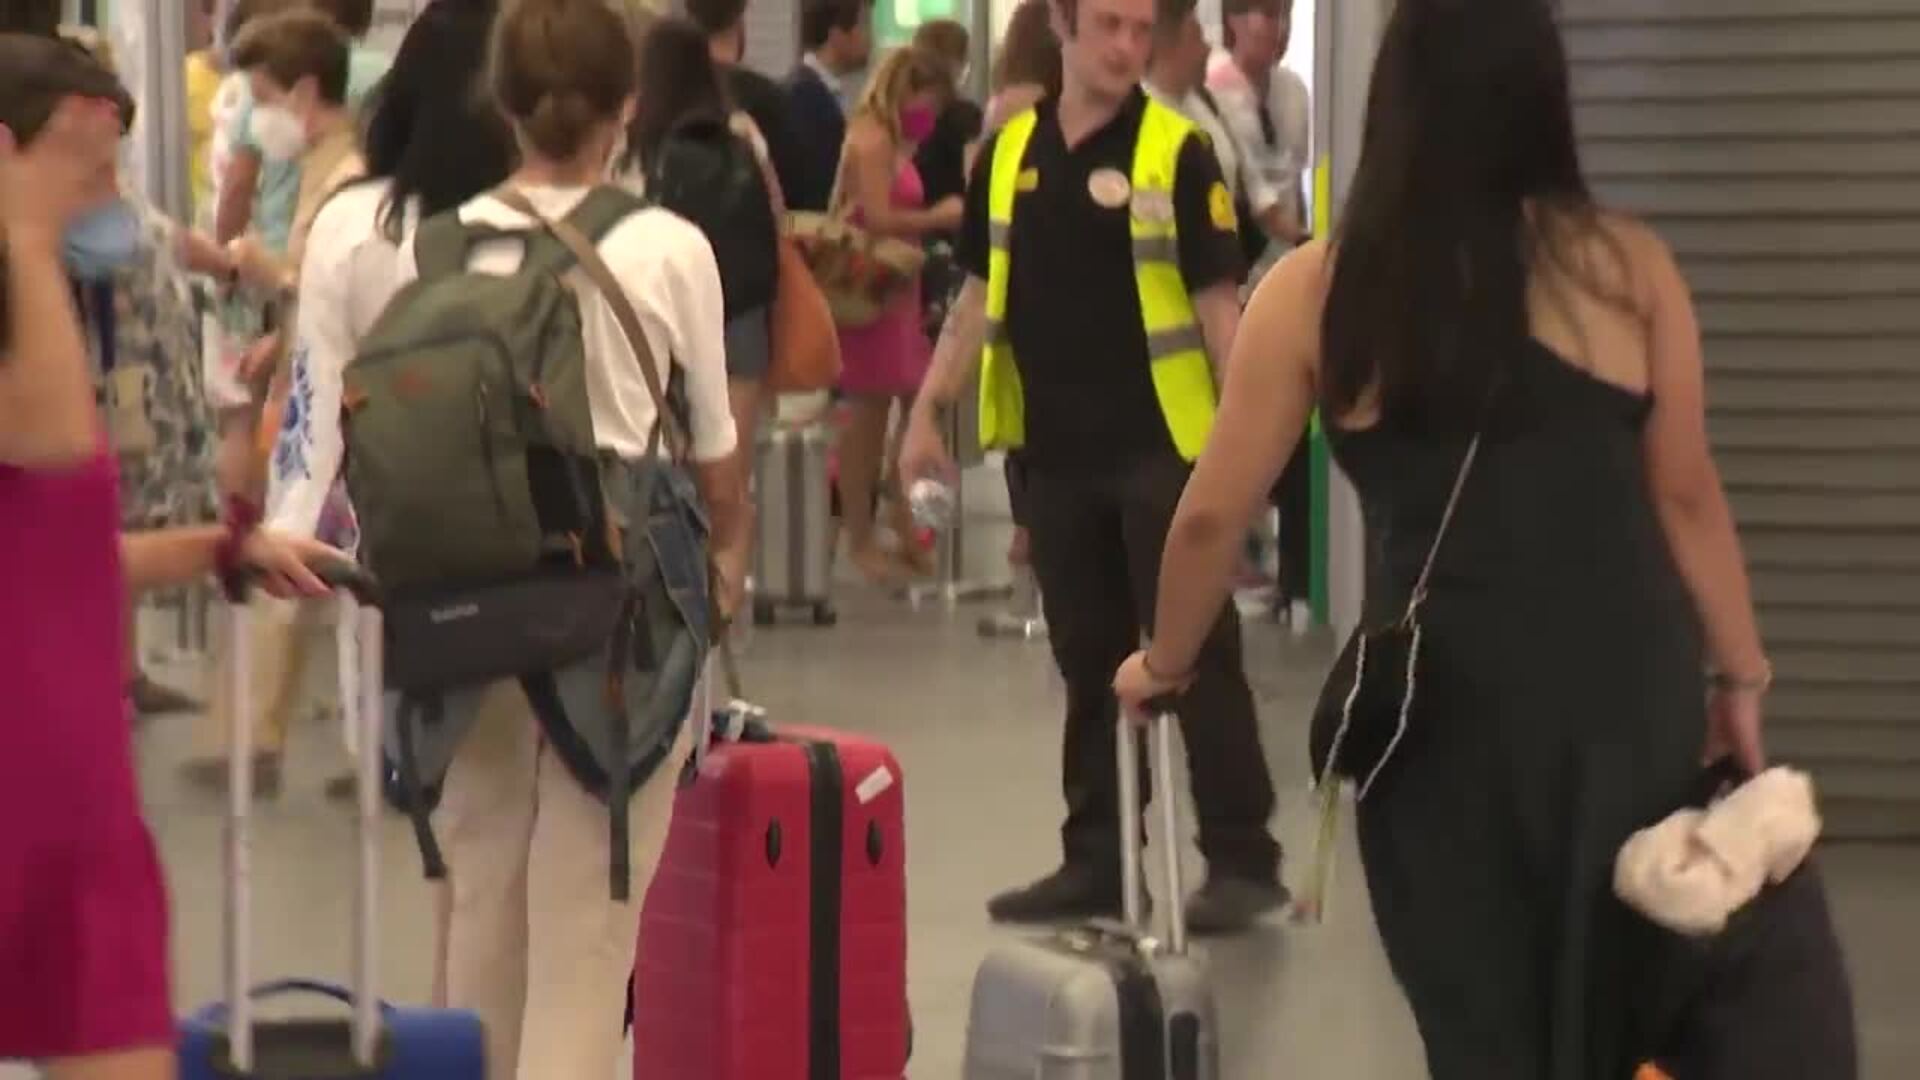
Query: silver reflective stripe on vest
[998, 232]
[997, 331]
[1166, 343]
[1162, 249]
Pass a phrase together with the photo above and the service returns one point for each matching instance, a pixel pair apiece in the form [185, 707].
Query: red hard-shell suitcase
[774, 937]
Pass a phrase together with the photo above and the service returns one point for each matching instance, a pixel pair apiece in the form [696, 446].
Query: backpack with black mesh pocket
[708, 174]
[511, 548]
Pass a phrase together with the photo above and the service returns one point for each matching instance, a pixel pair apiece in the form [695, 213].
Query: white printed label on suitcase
[876, 783]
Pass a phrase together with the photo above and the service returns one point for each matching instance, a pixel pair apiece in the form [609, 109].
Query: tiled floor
[962, 713]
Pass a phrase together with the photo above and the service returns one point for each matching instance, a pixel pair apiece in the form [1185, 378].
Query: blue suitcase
[406, 1043]
[379, 1041]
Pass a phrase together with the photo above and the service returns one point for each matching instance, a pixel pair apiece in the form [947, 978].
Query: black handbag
[1361, 716]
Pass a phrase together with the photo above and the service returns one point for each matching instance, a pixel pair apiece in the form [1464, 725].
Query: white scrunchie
[1692, 871]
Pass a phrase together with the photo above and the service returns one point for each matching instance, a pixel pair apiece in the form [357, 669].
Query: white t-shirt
[352, 270]
[1273, 170]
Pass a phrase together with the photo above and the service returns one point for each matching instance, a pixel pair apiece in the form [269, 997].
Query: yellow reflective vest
[1182, 375]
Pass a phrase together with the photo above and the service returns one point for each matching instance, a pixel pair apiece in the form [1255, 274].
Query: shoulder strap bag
[1364, 707]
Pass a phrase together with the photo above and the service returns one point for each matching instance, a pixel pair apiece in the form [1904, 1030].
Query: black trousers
[1097, 537]
[1293, 497]
[1016, 471]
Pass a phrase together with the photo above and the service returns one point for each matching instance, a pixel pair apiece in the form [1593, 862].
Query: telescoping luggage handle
[1132, 842]
[360, 633]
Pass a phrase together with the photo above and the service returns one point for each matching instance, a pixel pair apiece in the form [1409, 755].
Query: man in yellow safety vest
[1103, 258]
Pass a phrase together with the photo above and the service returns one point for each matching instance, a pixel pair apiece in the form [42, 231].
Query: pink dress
[889, 357]
[83, 912]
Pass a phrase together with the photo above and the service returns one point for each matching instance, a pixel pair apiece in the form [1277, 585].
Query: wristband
[242, 519]
[1751, 684]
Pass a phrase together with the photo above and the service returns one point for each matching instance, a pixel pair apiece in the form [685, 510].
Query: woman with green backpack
[532, 936]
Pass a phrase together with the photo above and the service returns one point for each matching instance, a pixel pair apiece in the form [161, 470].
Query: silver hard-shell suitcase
[793, 538]
[1105, 1001]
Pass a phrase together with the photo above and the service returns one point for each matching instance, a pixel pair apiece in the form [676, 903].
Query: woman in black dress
[1591, 578]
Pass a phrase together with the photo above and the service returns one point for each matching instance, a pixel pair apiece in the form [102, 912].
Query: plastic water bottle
[932, 503]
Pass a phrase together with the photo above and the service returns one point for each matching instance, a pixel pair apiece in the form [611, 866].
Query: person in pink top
[83, 916]
[884, 361]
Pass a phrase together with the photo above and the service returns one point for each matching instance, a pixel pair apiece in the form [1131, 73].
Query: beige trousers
[532, 939]
[282, 637]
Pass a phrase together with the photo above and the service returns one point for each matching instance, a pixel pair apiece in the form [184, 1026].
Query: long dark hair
[1468, 176]
[679, 84]
[430, 130]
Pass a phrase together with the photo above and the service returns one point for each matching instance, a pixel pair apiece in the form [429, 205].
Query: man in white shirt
[1176, 76]
[1270, 112]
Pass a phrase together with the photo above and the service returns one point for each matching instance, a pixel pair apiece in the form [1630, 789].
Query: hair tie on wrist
[242, 521]
[1752, 684]
[1146, 662]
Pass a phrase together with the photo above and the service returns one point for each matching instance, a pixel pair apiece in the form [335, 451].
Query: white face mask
[279, 133]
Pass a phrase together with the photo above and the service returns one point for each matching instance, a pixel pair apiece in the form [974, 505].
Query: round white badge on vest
[1109, 188]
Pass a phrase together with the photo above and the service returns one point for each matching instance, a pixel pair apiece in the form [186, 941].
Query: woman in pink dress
[884, 361]
[83, 917]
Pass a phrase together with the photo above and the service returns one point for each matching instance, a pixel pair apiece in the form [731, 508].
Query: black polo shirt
[1073, 308]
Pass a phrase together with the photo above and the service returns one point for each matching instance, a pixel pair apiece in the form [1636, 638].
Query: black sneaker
[1229, 905]
[1072, 893]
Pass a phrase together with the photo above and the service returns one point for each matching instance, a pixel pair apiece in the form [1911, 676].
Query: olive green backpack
[470, 449]
[507, 546]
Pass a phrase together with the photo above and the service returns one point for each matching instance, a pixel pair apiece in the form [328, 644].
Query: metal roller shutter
[1776, 144]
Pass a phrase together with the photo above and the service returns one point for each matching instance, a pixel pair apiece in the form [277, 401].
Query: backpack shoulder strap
[441, 245]
[603, 208]
[598, 211]
[1206, 95]
[596, 215]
